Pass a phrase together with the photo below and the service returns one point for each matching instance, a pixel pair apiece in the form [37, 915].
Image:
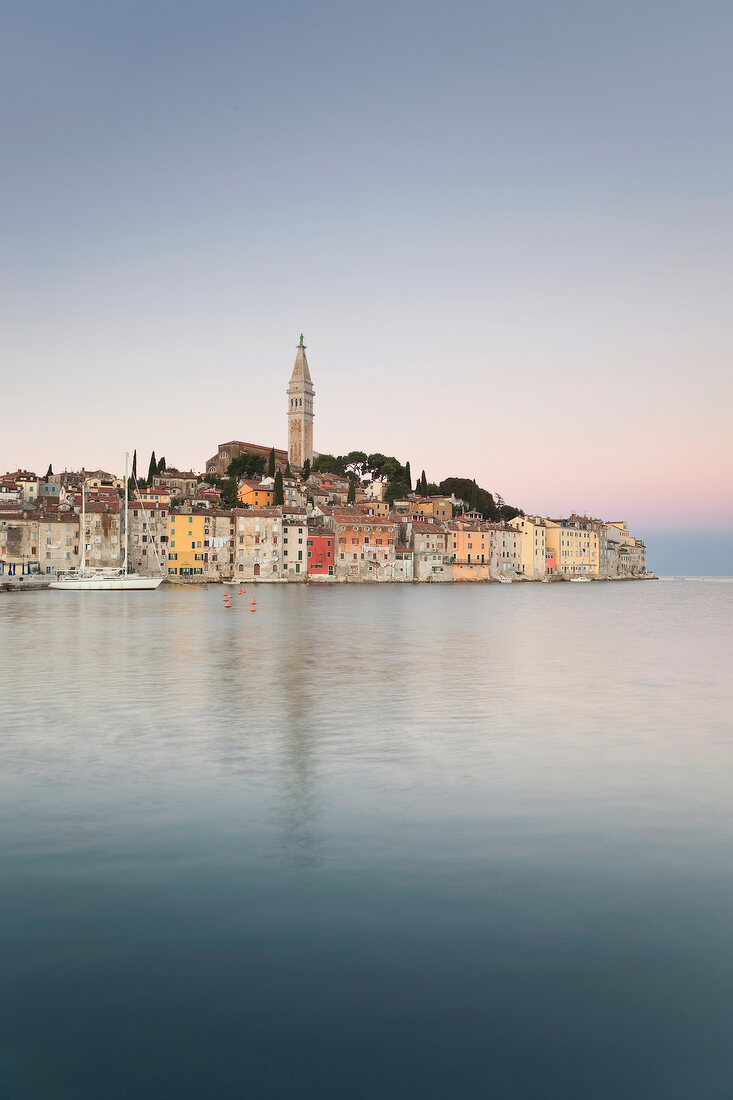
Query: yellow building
[187, 537]
[256, 494]
[575, 544]
[532, 545]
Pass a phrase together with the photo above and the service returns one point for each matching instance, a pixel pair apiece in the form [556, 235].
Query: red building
[550, 563]
[320, 552]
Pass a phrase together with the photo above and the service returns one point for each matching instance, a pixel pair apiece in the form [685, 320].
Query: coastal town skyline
[676, 551]
[517, 308]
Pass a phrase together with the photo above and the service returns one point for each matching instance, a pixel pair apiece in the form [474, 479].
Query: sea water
[368, 841]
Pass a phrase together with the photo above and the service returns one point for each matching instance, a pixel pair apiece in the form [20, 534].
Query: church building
[300, 427]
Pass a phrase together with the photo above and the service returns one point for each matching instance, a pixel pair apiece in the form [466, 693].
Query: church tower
[300, 410]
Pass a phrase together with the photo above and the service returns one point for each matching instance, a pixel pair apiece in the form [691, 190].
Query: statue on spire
[301, 340]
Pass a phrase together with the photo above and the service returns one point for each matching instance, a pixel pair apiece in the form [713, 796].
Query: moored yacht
[105, 580]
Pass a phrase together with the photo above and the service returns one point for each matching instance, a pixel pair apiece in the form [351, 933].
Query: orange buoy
[240, 591]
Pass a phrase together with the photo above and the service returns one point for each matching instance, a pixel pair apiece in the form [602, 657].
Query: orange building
[253, 494]
[468, 543]
[364, 538]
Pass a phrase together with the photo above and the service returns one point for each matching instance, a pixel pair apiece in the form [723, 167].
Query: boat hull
[105, 584]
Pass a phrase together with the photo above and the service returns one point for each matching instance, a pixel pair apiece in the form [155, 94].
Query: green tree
[228, 489]
[279, 494]
[161, 466]
[306, 469]
[152, 468]
[246, 465]
[49, 471]
[271, 464]
[288, 471]
[351, 498]
[327, 464]
[474, 495]
[423, 486]
[396, 490]
[408, 476]
[376, 462]
[134, 463]
[355, 462]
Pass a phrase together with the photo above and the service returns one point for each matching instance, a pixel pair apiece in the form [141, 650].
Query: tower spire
[300, 410]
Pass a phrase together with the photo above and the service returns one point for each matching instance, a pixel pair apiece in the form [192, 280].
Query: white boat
[105, 580]
[504, 580]
[580, 580]
[96, 581]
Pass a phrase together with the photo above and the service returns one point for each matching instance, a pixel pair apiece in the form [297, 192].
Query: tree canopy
[246, 466]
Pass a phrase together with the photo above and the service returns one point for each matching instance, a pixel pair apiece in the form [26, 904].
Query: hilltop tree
[152, 468]
[474, 495]
[271, 464]
[351, 498]
[376, 462]
[279, 493]
[423, 485]
[328, 464]
[49, 471]
[246, 465]
[161, 466]
[306, 469]
[134, 464]
[356, 462]
[408, 476]
[288, 471]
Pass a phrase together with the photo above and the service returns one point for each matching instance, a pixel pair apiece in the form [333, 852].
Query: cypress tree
[351, 498]
[134, 463]
[288, 471]
[271, 464]
[49, 471]
[161, 466]
[279, 494]
[152, 468]
[306, 469]
[423, 490]
[408, 476]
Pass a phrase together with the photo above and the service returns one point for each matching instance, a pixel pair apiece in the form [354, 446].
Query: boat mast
[83, 527]
[127, 493]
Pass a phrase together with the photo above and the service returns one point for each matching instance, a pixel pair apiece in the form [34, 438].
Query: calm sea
[378, 842]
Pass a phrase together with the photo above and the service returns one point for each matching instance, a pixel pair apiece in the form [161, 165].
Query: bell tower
[300, 410]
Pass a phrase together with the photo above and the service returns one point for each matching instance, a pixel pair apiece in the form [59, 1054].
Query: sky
[505, 230]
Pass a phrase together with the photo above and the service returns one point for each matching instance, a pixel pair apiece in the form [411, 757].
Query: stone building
[429, 542]
[294, 555]
[258, 544]
[103, 534]
[38, 540]
[365, 545]
[300, 410]
[177, 484]
[218, 464]
[148, 536]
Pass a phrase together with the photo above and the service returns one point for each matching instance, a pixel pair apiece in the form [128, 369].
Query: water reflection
[418, 832]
